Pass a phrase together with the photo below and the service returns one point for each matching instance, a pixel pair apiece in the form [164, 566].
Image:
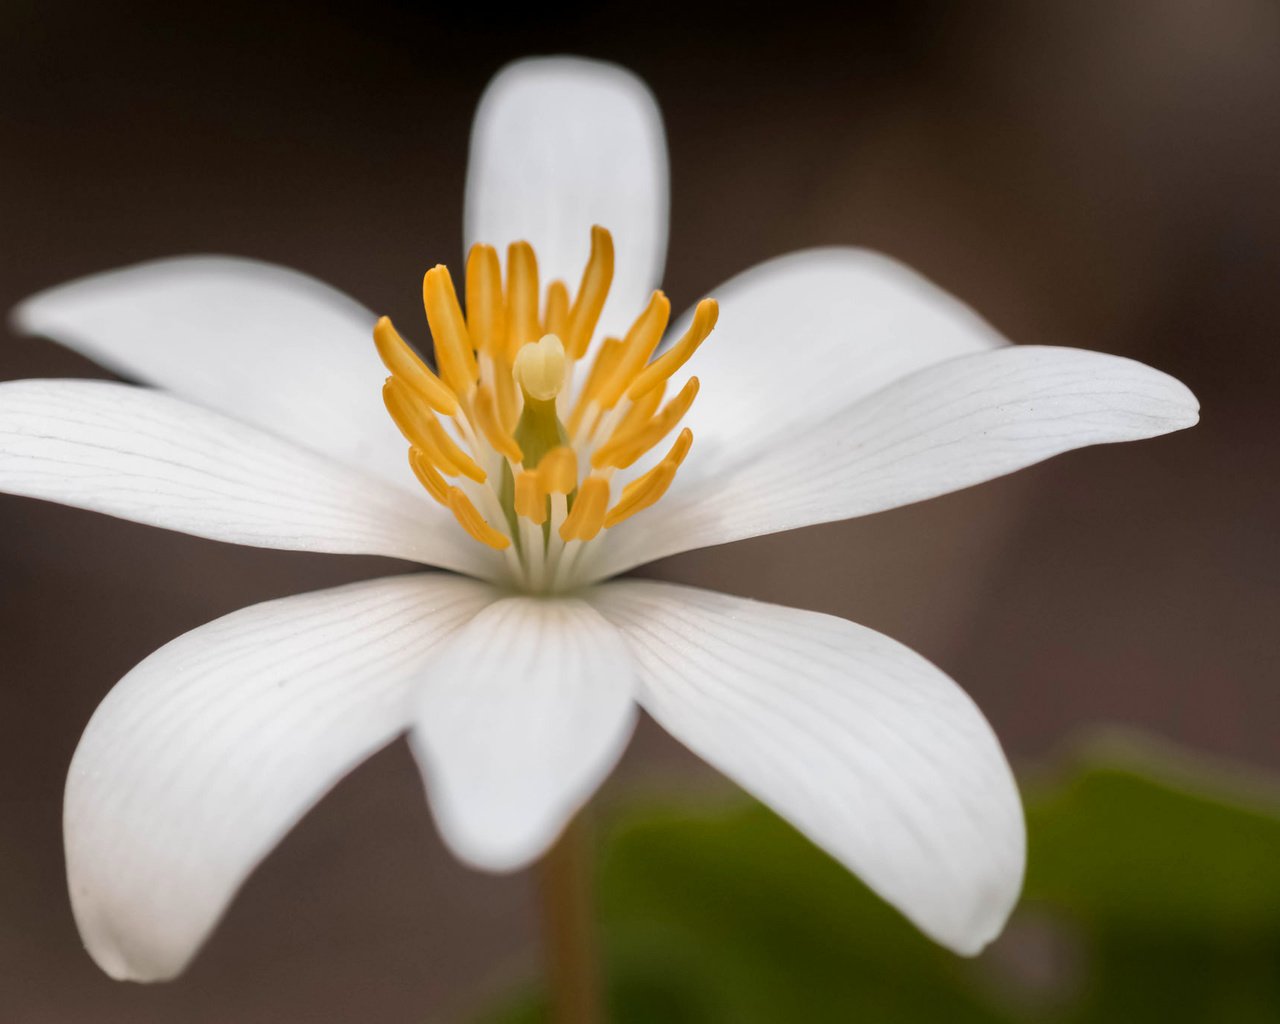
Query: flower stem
[566, 885]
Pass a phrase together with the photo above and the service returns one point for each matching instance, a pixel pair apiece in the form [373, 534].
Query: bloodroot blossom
[557, 445]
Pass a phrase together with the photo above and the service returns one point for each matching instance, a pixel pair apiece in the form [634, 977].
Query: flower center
[536, 447]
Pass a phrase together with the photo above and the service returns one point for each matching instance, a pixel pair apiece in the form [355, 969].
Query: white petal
[806, 334]
[525, 713]
[201, 759]
[261, 343]
[863, 745]
[942, 428]
[155, 459]
[560, 144]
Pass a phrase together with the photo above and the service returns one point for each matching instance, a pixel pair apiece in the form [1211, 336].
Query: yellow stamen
[636, 416]
[449, 331]
[602, 368]
[486, 310]
[647, 489]
[522, 297]
[506, 375]
[428, 475]
[638, 346]
[489, 420]
[557, 320]
[530, 499]
[539, 368]
[558, 471]
[586, 518]
[592, 293]
[623, 451]
[504, 396]
[404, 363]
[473, 522]
[421, 429]
[704, 319]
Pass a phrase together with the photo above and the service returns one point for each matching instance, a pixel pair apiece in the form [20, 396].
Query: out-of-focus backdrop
[1101, 175]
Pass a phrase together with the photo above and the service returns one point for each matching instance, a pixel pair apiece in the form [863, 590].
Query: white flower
[837, 383]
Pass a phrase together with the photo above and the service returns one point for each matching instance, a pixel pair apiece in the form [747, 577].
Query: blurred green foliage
[1152, 894]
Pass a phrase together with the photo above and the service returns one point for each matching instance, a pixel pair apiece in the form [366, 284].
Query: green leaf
[1152, 894]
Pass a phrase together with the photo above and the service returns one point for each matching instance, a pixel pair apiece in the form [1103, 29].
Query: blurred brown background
[1098, 174]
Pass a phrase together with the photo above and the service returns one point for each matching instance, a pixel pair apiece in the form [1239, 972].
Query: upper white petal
[560, 144]
[863, 745]
[523, 715]
[806, 334]
[200, 760]
[259, 342]
[152, 458]
[947, 426]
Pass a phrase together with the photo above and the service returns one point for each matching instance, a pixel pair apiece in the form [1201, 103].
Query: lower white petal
[859, 742]
[200, 760]
[523, 715]
[945, 427]
[149, 457]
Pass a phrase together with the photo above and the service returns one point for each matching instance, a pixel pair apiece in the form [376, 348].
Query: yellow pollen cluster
[532, 453]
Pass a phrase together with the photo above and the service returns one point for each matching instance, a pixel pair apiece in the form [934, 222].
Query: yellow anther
[647, 489]
[473, 522]
[421, 429]
[522, 297]
[449, 330]
[489, 420]
[404, 363]
[558, 471]
[623, 451]
[704, 320]
[606, 361]
[530, 498]
[592, 292]
[586, 518]
[408, 415]
[428, 475]
[557, 318]
[539, 368]
[683, 442]
[504, 395]
[486, 308]
[638, 346]
[637, 416]
[463, 463]
[495, 398]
